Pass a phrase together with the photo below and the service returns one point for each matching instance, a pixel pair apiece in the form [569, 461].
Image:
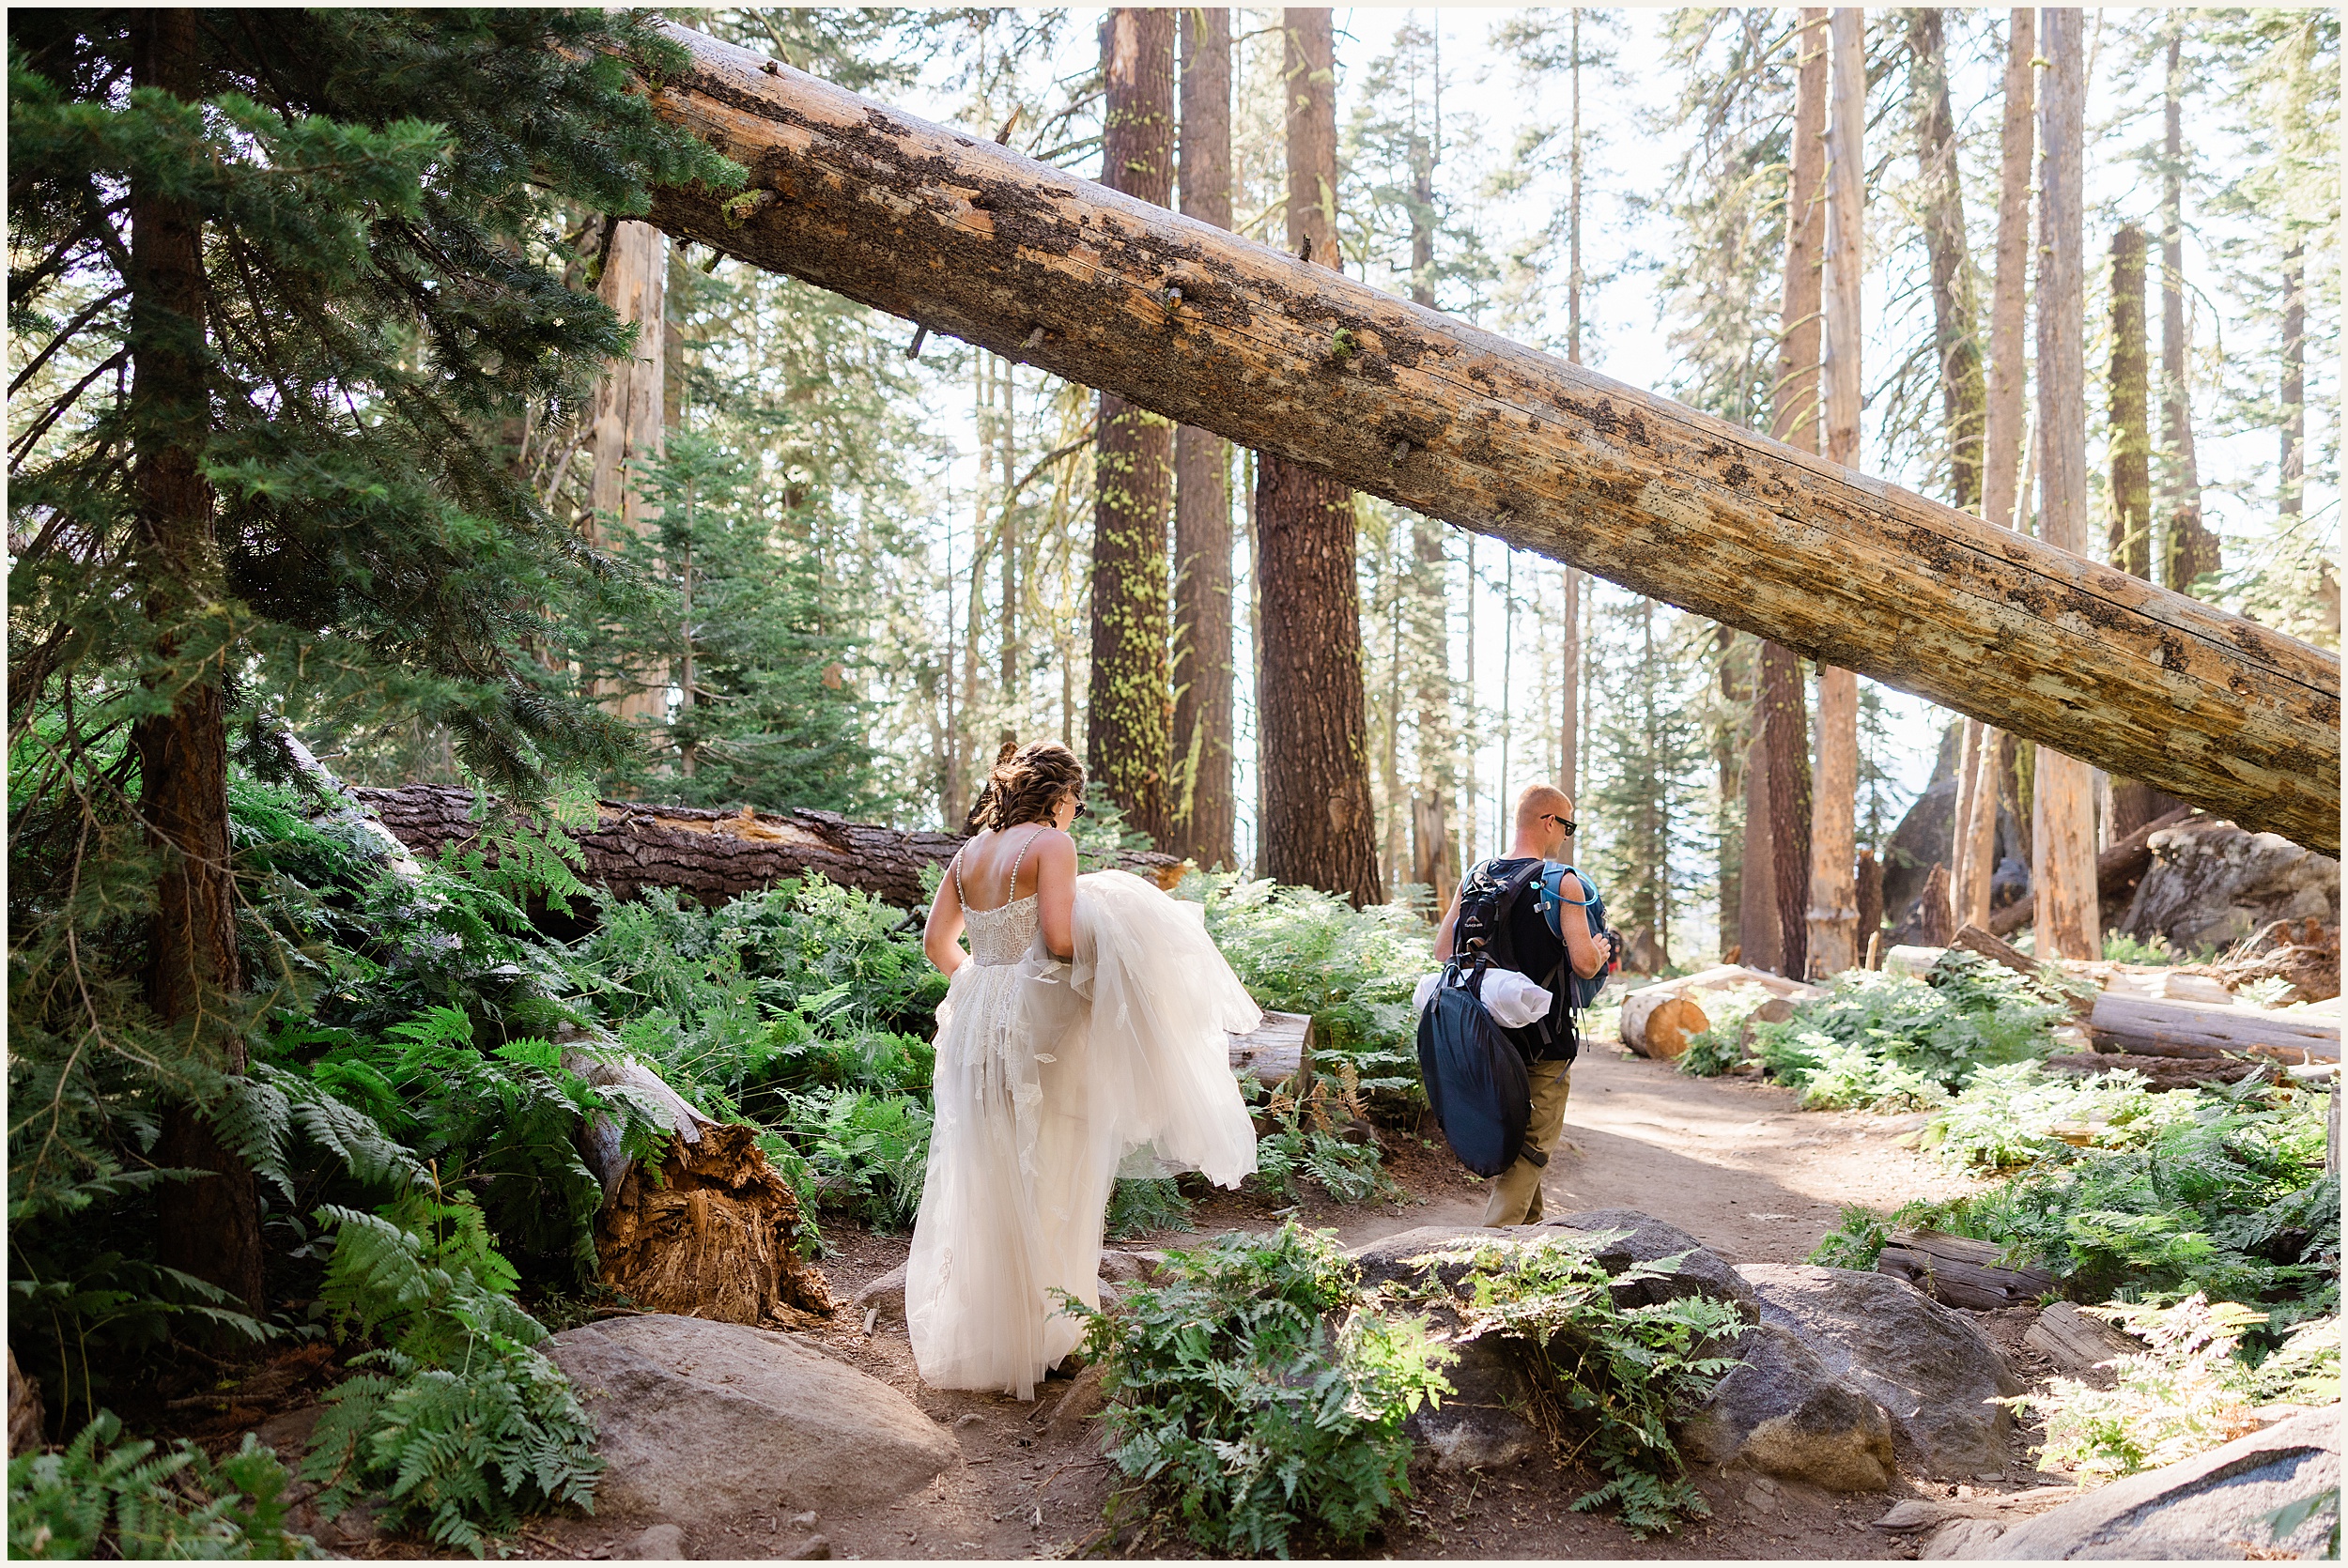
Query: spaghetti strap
[1011, 885]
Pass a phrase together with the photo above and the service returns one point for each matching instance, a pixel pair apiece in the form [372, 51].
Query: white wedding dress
[1052, 1079]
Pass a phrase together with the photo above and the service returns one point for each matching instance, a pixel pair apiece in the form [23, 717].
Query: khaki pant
[1516, 1192]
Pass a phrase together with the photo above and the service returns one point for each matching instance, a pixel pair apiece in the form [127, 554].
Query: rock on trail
[704, 1421]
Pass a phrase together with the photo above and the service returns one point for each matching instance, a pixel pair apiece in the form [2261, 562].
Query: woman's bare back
[999, 858]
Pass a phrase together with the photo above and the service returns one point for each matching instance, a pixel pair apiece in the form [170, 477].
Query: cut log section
[1278, 1049]
[1656, 1021]
[2157, 1026]
[2078, 1344]
[1958, 1273]
[711, 855]
[1974, 940]
[967, 238]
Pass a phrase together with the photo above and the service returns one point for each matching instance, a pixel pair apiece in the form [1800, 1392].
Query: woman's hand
[941, 938]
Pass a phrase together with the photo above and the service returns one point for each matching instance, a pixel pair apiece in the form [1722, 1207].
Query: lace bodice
[1003, 935]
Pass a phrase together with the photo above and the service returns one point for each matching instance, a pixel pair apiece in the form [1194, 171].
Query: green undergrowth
[2219, 1191]
[1887, 1041]
[1608, 1377]
[1253, 1397]
[99, 1495]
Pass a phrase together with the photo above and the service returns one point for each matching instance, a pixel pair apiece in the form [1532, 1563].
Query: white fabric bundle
[1511, 999]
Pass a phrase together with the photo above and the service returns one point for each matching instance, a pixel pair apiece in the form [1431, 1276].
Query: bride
[1082, 1037]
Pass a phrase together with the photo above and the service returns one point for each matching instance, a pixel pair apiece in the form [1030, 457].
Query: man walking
[1539, 910]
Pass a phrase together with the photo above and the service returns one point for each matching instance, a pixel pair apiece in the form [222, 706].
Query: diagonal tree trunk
[1128, 744]
[2068, 918]
[1446, 419]
[211, 1226]
[1318, 827]
[1204, 811]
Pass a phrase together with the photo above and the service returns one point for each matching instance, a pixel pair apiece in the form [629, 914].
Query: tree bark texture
[2001, 423]
[2189, 549]
[1954, 301]
[1129, 717]
[2130, 544]
[2118, 869]
[1833, 908]
[628, 423]
[1204, 811]
[710, 855]
[1759, 938]
[1300, 363]
[2064, 834]
[1318, 827]
[1787, 744]
[2129, 376]
[211, 1226]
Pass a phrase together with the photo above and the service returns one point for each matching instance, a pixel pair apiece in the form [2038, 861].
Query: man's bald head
[1535, 801]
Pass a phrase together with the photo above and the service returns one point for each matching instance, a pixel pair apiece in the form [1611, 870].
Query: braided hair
[1024, 787]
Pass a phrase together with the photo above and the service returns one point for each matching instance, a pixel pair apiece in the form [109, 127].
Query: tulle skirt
[1052, 1079]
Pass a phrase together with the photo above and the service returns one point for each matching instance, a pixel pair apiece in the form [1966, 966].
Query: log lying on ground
[1656, 1021]
[2160, 1073]
[2118, 869]
[969, 238]
[2158, 1026]
[714, 855]
[1280, 1048]
[1958, 1273]
[2077, 1344]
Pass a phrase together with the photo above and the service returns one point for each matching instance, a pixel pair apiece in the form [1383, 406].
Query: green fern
[94, 1498]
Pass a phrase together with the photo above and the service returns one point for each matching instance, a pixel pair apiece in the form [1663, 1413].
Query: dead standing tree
[1437, 415]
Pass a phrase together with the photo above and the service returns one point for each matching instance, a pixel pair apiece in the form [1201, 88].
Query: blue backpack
[1584, 993]
[1476, 1079]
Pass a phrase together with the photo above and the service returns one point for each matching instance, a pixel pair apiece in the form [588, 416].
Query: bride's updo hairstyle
[1027, 785]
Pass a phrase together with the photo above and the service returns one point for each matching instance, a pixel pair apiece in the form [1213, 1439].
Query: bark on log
[714, 855]
[2077, 1344]
[2160, 1073]
[1974, 940]
[1212, 329]
[1956, 1272]
[2160, 1026]
[1656, 1021]
[2118, 869]
[1280, 1048]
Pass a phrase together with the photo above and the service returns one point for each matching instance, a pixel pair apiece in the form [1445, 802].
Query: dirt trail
[1732, 1161]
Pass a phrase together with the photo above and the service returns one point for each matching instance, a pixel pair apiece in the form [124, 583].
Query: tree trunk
[1760, 939]
[2133, 802]
[1735, 680]
[1300, 362]
[1870, 880]
[1204, 810]
[1570, 723]
[1833, 908]
[1435, 854]
[1318, 827]
[1784, 841]
[211, 1226]
[2002, 440]
[2069, 922]
[2190, 550]
[1128, 737]
[628, 424]
[1962, 393]
[2291, 489]
[709, 856]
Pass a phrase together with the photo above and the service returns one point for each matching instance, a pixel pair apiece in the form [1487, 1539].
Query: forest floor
[1732, 1161]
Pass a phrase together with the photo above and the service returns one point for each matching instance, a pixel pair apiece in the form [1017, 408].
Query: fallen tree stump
[711, 855]
[715, 1237]
[1280, 1048]
[1958, 1273]
[1656, 1021]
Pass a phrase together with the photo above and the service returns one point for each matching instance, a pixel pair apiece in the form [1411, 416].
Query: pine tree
[342, 273]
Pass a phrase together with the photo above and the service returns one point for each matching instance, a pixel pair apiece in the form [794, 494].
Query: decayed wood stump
[712, 1237]
[1958, 1272]
[24, 1413]
[712, 855]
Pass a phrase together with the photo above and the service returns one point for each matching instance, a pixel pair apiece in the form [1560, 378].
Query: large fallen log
[712, 855]
[969, 238]
[2159, 1026]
